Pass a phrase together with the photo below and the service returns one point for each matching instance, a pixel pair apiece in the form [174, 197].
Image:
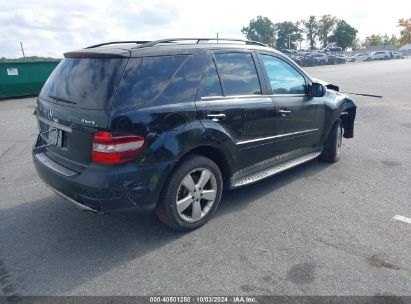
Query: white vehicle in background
[396, 55]
[381, 55]
[360, 57]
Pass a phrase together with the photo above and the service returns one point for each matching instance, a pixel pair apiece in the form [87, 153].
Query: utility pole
[22, 50]
[217, 37]
[289, 42]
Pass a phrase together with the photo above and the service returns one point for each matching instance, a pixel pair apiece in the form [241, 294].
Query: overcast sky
[52, 27]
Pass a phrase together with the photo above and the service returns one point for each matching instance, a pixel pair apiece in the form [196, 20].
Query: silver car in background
[381, 55]
[360, 57]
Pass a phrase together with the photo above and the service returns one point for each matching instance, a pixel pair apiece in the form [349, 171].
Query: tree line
[319, 33]
[29, 59]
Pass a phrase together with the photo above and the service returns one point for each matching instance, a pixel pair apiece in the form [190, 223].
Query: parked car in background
[163, 126]
[336, 59]
[333, 49]
[313, 59]
[360, 57]
[287, 52]
[298, 59]
[396, 55]
[381, 55]
[293, 55]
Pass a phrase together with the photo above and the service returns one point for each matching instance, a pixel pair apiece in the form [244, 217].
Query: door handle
[284, 112]
[216, 117]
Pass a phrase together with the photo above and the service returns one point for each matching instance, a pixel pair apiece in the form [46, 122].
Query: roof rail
[116, 42]
[142, 44]
[198, 40]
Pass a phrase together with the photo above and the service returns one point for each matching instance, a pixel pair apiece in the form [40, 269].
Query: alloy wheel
[196, 195]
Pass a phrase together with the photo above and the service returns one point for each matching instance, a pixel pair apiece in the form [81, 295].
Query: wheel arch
[345, 110]
[347, 117]
[217, 155]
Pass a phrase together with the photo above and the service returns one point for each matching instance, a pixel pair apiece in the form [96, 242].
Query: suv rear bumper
[105, 189]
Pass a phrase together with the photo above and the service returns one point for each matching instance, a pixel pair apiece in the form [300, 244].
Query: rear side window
[84, 82]
[238, 74]
[145, 78]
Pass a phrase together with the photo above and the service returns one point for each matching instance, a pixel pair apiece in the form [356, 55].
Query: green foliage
[374, 40]
[30, 59]
[311, 30]
[357, 44]
[344, 35]
[405, 25]
[326, 26]
[288, 34]
[394, 41]
[260, 29]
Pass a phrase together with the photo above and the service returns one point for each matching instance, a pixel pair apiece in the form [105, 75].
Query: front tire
[191, 194]
[332, 146]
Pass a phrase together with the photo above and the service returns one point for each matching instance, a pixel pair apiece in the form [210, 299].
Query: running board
[276, 169]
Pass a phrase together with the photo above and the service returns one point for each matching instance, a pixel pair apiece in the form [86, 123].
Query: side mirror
[317, 89]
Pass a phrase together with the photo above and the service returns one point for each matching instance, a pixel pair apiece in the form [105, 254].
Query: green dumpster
[24, 78]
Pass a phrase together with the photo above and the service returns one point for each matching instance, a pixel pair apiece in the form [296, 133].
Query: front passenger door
[233, 101]
[299, 117]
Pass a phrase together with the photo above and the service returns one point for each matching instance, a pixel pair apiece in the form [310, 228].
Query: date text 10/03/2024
[203, 299]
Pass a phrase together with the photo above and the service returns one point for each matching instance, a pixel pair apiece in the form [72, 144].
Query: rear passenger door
[300, 117]
[234, 101]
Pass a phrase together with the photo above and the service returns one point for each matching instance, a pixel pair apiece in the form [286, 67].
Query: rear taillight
[112, 148]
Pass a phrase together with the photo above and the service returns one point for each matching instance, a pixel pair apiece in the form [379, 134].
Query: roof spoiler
[98, 53]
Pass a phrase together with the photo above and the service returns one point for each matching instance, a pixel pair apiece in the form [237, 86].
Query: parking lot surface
[317, 229]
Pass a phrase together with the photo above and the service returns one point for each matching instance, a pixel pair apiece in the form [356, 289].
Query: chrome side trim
[54, 124]
[205, 98]
[75, 203]
[49, 163]
[287, 95]
[275, 136]
[275, 170]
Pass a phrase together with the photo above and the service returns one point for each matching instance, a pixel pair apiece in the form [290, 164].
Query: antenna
[22, 50]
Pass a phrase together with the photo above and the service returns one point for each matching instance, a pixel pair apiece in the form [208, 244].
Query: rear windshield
[84, 82]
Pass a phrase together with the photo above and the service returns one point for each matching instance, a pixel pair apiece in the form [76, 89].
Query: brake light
[112, 148]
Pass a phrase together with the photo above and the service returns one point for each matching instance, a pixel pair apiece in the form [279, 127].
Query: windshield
[84, 82]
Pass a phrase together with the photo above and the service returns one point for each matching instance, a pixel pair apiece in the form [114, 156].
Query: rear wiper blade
[61, 99]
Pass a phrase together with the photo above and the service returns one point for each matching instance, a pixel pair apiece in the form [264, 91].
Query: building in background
[405, 49]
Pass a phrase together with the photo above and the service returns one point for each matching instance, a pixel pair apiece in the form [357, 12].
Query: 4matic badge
[90, 122]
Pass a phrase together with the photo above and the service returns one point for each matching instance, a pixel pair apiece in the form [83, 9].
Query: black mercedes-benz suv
[164, 125]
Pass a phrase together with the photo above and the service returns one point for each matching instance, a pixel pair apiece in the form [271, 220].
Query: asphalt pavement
[317, 229]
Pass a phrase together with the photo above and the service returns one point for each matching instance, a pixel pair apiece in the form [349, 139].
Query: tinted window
[238, 74]
[211, 85]
[84, 82]
[184, 85]
[283, 77]
[145, 78]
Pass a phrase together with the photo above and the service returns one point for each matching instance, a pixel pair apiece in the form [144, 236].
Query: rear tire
[332, 146]
[191, 194]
